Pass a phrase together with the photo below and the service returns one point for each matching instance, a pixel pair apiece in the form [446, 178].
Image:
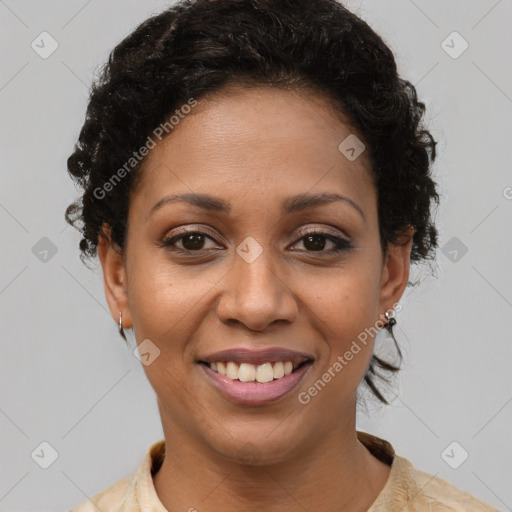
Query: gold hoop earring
[121, 330]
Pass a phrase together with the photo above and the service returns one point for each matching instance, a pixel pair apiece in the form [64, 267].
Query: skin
[254, 148]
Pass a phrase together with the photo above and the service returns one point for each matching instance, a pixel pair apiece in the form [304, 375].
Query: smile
[246, 372]
[254, 392]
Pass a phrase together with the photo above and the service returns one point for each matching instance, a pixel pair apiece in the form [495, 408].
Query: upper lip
[256, 356]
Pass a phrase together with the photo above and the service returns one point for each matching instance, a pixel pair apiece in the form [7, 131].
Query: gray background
[66, 376]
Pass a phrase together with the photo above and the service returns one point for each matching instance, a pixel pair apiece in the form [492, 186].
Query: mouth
[262, 373]
[249, 377]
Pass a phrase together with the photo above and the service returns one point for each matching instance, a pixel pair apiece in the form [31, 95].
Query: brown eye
[316, 241]
[192, 241]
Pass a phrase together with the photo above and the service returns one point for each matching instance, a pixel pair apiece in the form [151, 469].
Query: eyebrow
[291, 204]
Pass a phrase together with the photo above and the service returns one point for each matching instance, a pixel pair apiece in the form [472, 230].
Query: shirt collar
[400, 488]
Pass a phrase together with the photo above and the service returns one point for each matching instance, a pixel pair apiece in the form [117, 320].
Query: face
[280, 264]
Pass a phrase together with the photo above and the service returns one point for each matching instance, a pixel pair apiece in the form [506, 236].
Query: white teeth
[246, 372]
[232, 370]
[278, 370]
[264, 373]
[221, 368]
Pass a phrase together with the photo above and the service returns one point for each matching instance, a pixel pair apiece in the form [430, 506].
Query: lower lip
[255, 393]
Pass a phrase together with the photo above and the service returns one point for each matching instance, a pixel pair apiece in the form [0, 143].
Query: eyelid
[341, 243]
[179, 232]
[323, 231]
[194, 229]
[302, 232]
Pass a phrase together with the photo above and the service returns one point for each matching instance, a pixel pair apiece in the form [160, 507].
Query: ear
[395, 273]
[114, 277]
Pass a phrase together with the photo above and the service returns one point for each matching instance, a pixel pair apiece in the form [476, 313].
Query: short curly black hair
[197, 47]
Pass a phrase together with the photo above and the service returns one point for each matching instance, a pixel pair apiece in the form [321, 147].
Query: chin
[253, 447]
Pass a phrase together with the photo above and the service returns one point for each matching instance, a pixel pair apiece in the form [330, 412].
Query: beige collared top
[407, 488]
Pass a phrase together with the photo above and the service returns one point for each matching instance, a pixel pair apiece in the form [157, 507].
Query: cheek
[164, 302]
[348, 341]
[345, 303]
[344, 313]
[162, 298]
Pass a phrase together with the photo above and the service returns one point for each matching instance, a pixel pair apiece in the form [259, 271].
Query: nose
[256, 294]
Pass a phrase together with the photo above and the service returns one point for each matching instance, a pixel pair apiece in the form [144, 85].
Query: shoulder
[435, 494]
[128, 494]
[410, 490]
[112, 498]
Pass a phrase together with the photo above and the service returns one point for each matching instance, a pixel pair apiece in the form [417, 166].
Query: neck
[337, 474]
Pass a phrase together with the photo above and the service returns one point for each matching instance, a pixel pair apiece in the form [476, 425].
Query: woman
[256, 182]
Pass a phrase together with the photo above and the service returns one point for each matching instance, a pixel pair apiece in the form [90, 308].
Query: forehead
[262, 139]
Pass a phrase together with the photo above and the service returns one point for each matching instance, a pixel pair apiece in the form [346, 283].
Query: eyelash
[340, 243]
